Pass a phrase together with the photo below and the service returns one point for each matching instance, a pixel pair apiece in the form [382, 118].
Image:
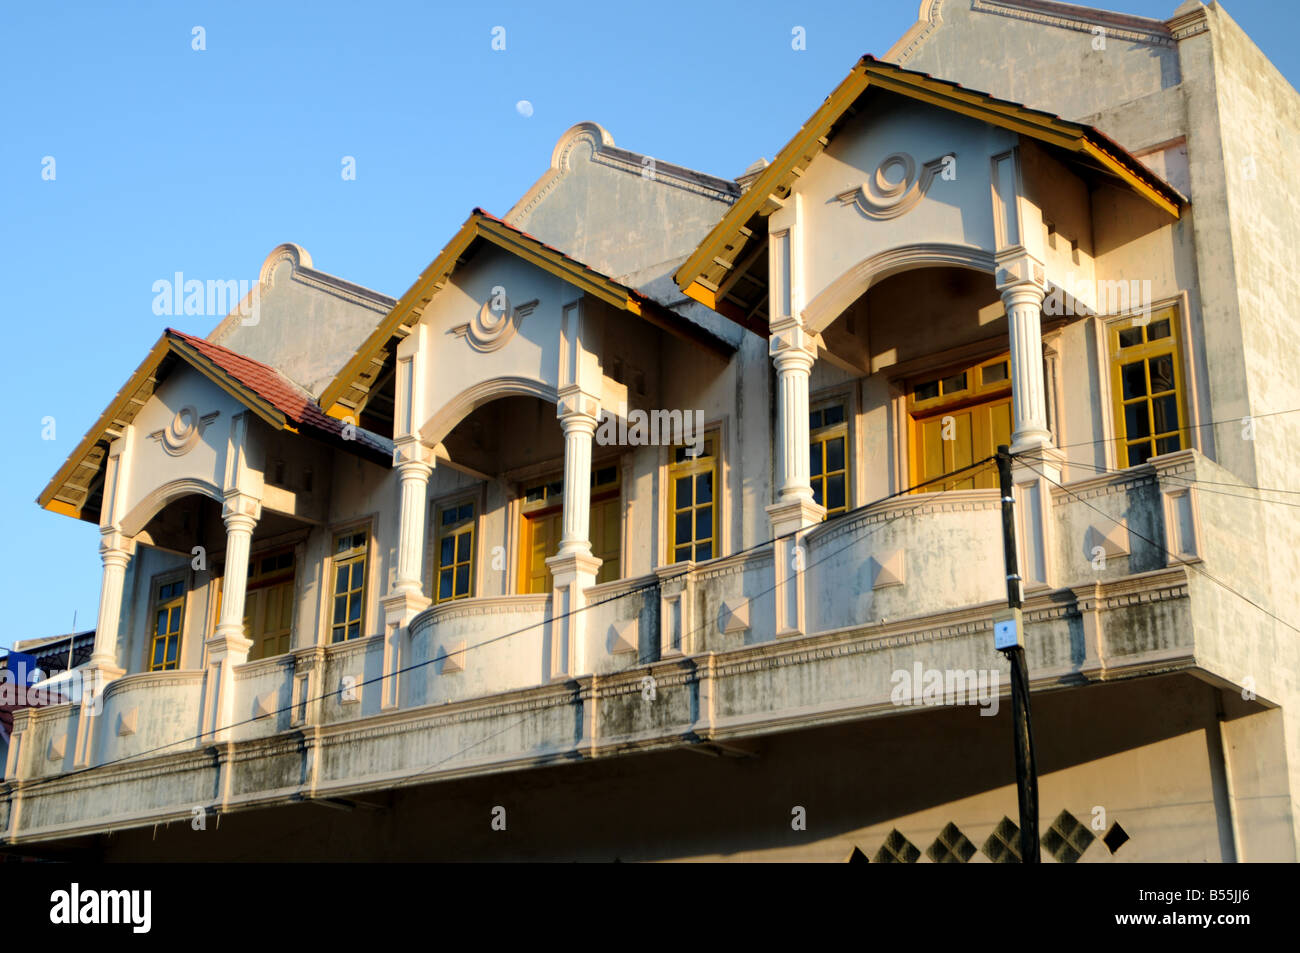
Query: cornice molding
[1120, 26]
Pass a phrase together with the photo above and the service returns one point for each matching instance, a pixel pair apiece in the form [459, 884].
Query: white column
[792, 350]
[793, 368]
[406, 599]
[1024, 305]
[411, 531]
[579, 428]
[1021, 279]
[573, 568]
[234, 583]
[228, 645]
[115, 552]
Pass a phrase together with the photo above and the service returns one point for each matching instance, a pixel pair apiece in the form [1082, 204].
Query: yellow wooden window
[543, 525]
[455, 569]
[349, 585]
[1147, 387]
[957, 418]
[168, 610]
[828, 465]
[268, 605]
[692, 503]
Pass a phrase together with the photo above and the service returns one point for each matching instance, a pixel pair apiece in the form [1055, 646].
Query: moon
[524, 108]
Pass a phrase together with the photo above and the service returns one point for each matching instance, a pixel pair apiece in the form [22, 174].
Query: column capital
[574, 406]
[409, 450]
[1017, 270]
[239, 510]
[114, 548]
[789, 342]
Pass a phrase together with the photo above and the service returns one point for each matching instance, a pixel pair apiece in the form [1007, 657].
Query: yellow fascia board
[437, 272]
[114, 409]
[752, 200]
[1013, 117]
[412, 302]
[1124, 172]
[165, 345]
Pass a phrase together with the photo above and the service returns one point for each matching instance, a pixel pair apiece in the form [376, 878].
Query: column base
[403, 605]
[400, 607]
[789, 516]
[573, 574]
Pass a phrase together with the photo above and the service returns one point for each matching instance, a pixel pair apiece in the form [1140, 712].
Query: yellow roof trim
[692, 278]
[127, 395]
[411, 305]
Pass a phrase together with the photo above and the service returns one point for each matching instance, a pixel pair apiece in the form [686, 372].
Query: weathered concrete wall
[1147, 760]
[307, 323]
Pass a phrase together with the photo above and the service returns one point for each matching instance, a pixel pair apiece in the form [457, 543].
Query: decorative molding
[882, 200]
[148, 507]
[471, 398]
[857, 280]
[128, 722]
[264, 704]
[490, 330]
[623, 636]
[1112, 538]
[451, 658]
[603, 152]
[928, 19]
[1118, 26]
[970, 501]
[733, 617]
[184, 432]
[58, 747]
[887, 569]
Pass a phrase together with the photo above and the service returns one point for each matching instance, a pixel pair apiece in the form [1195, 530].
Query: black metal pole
[1026, 770]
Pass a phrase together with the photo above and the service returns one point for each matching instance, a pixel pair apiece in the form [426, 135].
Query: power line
[1167, 553]
[1187, 429]
[1200, 484]
[643, 587]
[835, 552]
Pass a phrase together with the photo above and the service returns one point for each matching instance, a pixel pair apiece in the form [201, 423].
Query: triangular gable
[741, 232]
[347, 395]
[262, 389]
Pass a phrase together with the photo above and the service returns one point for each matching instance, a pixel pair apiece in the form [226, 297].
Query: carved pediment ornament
[184, 432]
[495, 323]
[880, 198]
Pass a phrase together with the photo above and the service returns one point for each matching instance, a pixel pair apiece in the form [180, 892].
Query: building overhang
[76, 488]
[353, 387]
[734, 249]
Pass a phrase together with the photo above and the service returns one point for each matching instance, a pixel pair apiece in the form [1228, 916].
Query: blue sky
[169, 159]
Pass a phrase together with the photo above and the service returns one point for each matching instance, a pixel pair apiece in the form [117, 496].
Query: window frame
[256, 581]
[830, 432]
[549, 506]
[674, 470]
[440, 533]
[972, 395]
[365, 553]
[156, 585]
[1119, 440]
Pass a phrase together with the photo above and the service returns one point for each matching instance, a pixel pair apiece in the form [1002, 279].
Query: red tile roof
[298, 407]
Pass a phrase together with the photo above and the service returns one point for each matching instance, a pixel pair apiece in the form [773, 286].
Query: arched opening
[915, 382]
[497, 520]
[178, 569]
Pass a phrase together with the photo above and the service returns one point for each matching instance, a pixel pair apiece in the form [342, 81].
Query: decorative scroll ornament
[495, 324]
[880, 198]
[185, 430]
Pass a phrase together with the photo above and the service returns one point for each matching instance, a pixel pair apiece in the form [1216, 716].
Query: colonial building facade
[657, 520]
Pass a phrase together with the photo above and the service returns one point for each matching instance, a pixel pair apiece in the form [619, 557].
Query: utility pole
[1009, 639]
